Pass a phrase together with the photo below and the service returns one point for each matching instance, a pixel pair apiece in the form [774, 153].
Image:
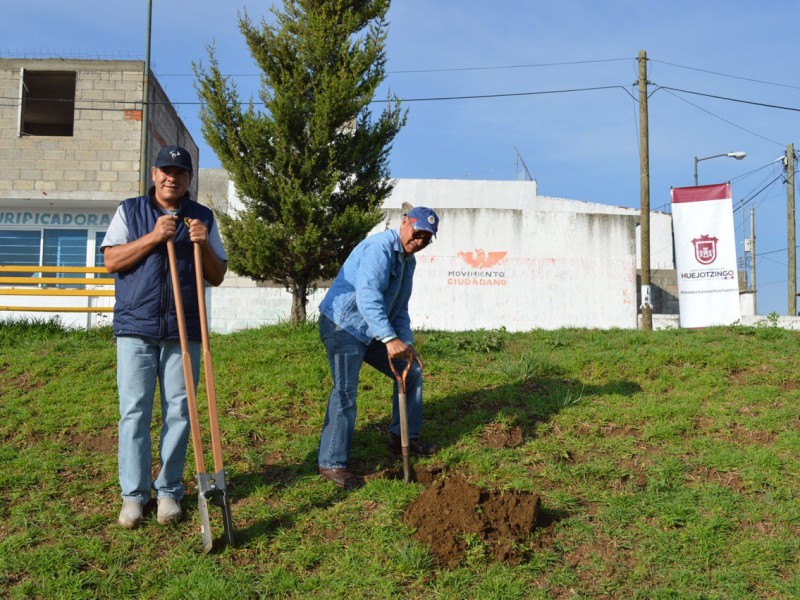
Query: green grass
[667, 464]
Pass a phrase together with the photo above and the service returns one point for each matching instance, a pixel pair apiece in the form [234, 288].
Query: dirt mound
[452, 513]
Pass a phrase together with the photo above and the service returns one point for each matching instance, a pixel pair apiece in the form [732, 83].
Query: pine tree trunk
[299, 302]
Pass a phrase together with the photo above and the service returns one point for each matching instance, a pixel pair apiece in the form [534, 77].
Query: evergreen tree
[312, 167]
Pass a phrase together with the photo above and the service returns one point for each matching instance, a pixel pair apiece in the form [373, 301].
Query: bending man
[364, 318]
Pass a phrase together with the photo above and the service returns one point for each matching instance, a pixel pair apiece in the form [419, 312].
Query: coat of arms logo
[705, 249]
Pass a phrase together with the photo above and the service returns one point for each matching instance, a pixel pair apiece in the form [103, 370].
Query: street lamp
[736, 155]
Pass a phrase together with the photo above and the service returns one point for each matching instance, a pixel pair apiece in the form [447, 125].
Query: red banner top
[700, 193]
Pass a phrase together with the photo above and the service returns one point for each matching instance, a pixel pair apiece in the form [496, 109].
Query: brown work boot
[341, 477]
[415, 447]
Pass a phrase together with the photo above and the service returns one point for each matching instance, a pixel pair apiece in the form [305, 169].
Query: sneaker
[169, 511]
[415, 447]
[131, 514]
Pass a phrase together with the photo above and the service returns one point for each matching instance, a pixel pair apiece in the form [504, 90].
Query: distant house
[70, 142]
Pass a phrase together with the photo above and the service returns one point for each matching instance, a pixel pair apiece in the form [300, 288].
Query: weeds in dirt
[571, 397]
[524, 368]
[666, 463]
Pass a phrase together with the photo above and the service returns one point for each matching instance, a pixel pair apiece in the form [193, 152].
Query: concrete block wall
[240, 303]
[99, 163]
[214, 189]
[663, 291]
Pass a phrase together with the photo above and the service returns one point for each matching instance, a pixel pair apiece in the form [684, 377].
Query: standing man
[146, 327]
[364, 318]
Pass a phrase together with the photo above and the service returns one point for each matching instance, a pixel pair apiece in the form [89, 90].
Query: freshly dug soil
[496, 436]
[452, 510]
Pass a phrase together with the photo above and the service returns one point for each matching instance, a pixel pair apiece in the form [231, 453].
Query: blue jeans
[345, 357]
[140, 361]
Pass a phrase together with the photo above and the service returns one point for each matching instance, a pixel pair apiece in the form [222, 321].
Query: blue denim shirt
[369, 297]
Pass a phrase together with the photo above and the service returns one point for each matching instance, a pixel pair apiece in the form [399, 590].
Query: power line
[443, 70]
[751, 198]
[509, 95]
[708, 112]
[756, 170]
[796, 87]
[498, 68]
[752, 102]
[432, 99]
[530, 66]
[773, 252]
[15, 101]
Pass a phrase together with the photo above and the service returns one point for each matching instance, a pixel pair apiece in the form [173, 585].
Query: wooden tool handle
[194, 420]
[208, 367]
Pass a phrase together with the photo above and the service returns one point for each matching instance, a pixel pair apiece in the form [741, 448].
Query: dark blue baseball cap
[174, 156]
[423, 218]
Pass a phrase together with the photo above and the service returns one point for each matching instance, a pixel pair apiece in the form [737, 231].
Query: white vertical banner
[705, 255]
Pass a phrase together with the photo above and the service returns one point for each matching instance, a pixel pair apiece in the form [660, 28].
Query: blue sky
[582, 145]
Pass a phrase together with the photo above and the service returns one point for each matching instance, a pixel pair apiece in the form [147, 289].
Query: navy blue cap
[423, 218]
[174, 156]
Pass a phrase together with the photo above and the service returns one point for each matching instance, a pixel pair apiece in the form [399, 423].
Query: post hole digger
[214, 486]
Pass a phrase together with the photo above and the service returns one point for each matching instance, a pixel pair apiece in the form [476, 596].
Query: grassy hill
[666, 464]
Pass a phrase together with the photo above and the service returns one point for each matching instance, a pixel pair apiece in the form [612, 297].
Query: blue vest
[145, 304]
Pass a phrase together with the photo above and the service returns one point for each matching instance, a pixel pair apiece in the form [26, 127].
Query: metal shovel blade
[214, 488]
[205, 523]
[220, 495]
[227, 520]
[404, 436]
[406, 466]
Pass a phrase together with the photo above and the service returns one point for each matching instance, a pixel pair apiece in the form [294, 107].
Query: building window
[20, 248]
[50, 248]
[65, 248]
[48, 103]
[99, 257]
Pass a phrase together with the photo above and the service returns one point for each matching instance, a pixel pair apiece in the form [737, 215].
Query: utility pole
[753, 255]
[745, 248]
[745, 245]
[143, 157]
[644, 186]
[790, 220]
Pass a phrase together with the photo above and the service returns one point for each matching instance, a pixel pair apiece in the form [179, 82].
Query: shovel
[213, 486]
[403, 407]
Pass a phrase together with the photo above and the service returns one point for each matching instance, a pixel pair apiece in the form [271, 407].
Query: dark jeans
[346, 354]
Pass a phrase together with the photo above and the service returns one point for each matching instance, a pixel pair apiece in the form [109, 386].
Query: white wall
[661, 251]
[559, 262]
[240, 303]
[552, 269]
